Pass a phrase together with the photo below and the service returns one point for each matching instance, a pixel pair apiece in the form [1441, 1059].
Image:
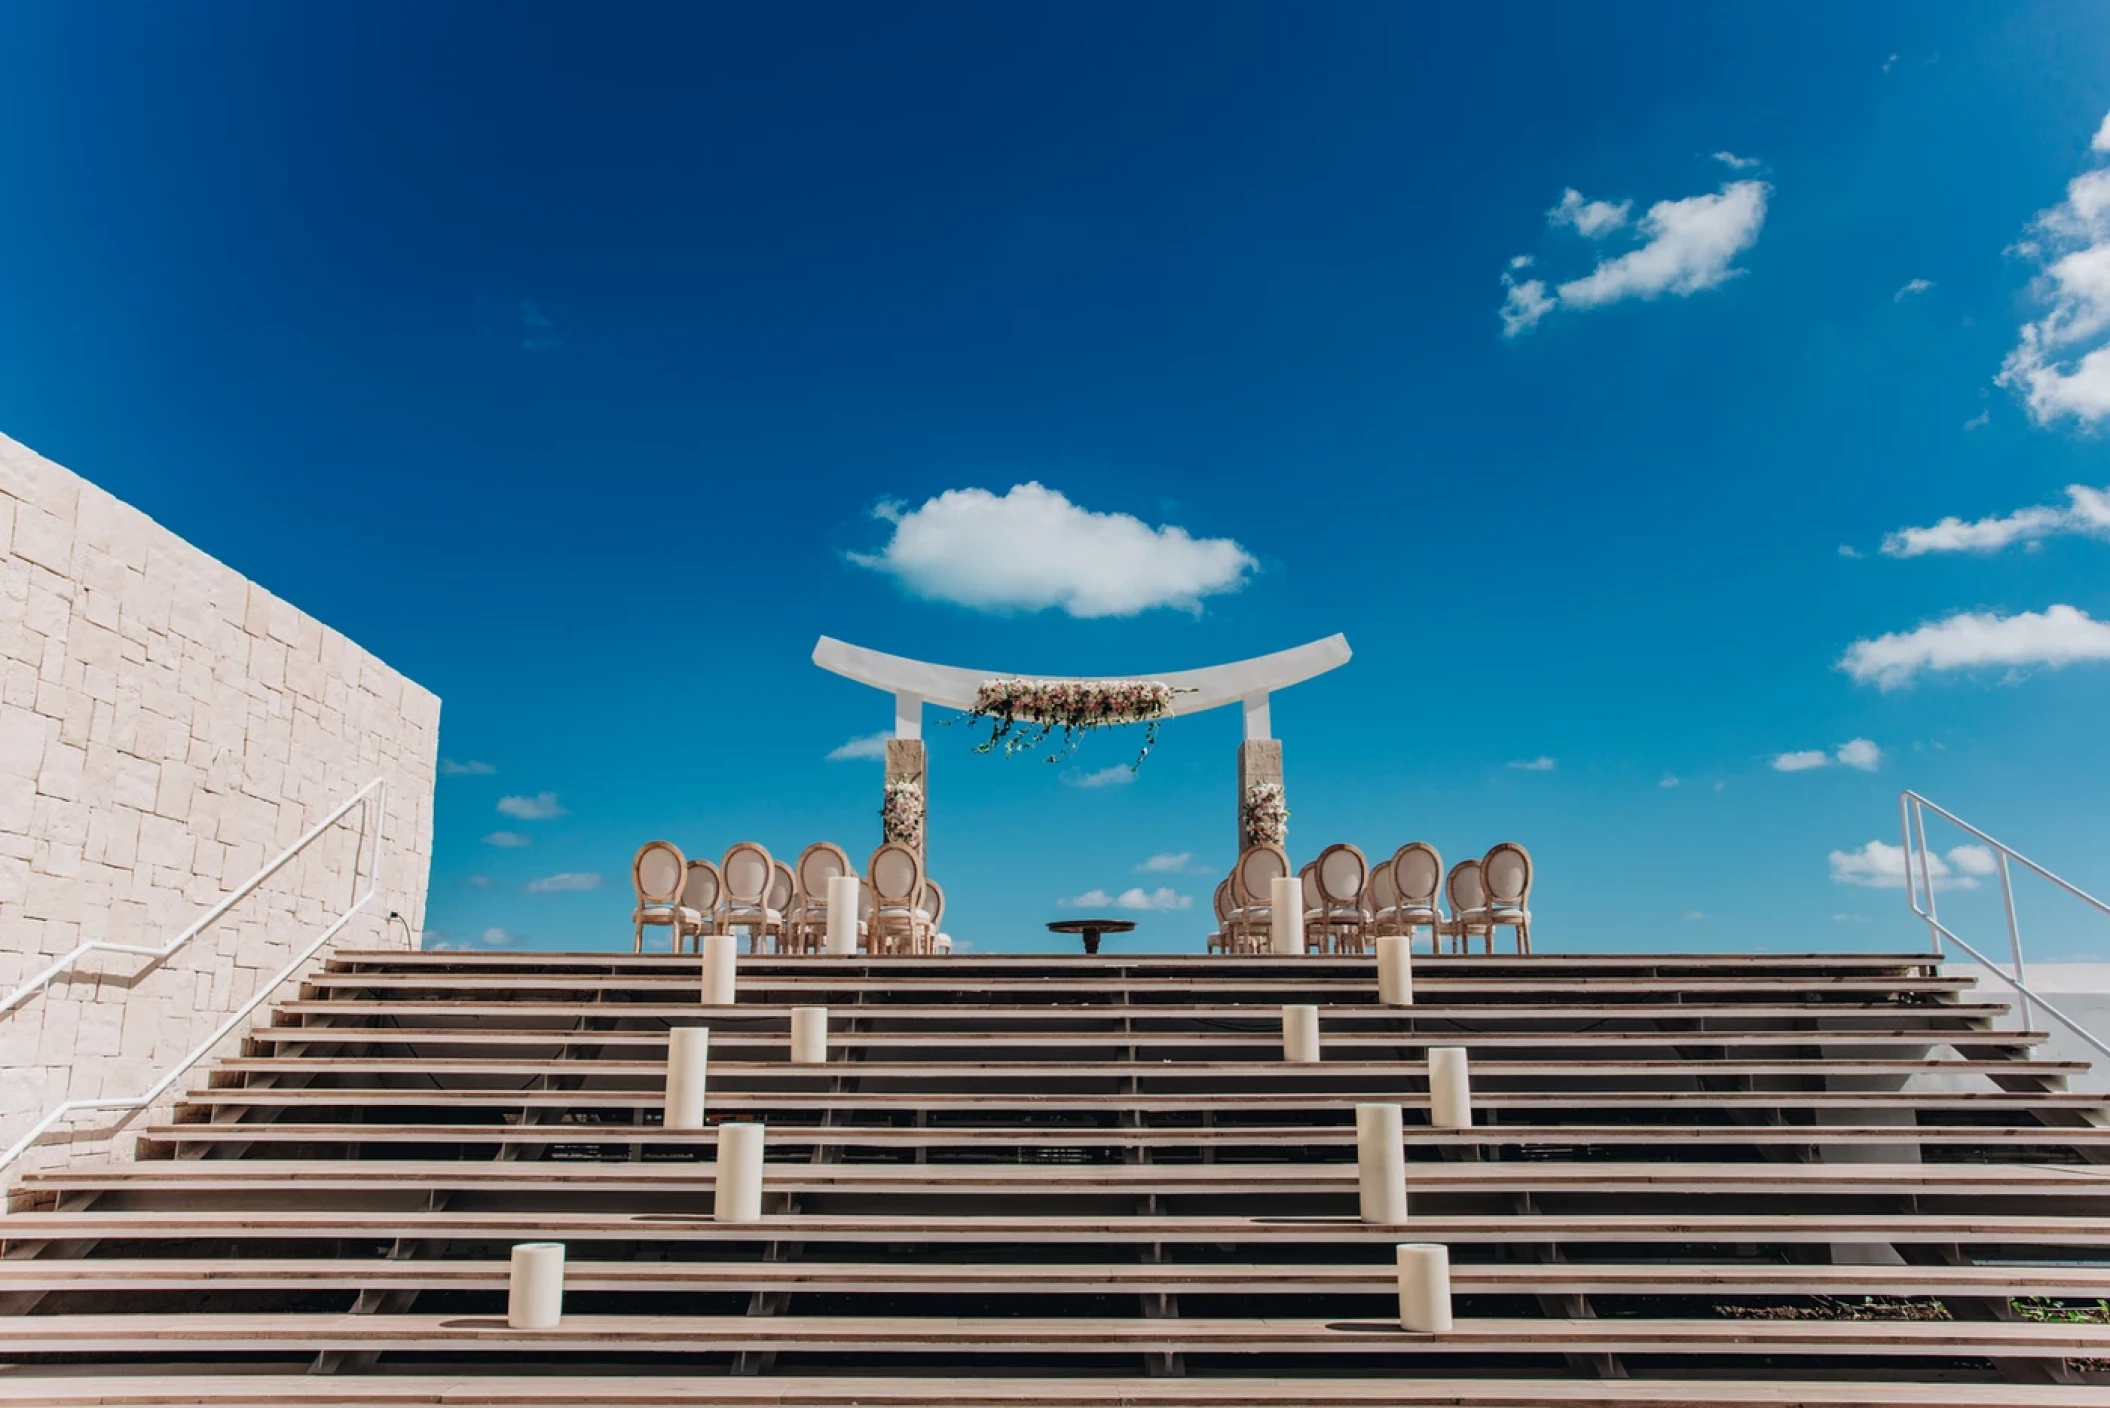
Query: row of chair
[1347, 902]
[782, 908]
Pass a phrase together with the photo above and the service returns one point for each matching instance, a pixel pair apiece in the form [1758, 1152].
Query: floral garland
[1265, 815]
[901, 814]
[1016, 706]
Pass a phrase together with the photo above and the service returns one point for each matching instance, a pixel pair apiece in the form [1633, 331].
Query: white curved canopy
[1250, 681]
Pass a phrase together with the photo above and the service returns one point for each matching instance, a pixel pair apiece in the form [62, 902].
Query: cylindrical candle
[1425, 1288]
[842, 915]
[535, 1290]
[1450, 1088]
[1395, 970]
[718, 976]
[688, 1059]
[1285, 915]
[809, 1035]
[739, 1195]
[1381, 1163]
[1300, 1032]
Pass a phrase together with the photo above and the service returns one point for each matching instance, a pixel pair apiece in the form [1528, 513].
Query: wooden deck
[1818, 1179]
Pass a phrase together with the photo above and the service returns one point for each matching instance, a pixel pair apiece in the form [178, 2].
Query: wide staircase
[1823, 1180]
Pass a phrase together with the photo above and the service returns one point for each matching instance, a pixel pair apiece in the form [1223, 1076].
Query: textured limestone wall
[166, 727]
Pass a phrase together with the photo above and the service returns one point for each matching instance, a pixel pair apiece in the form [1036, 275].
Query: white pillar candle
[535, 1290]
[842, 915]
[718, 976]
[739, 1195]
[1395, 970]
[1381, 1163]
[1300, 1032]
[809, 1035]
[688, 1060]
[1285, 915]
[1425, 1288]
[1450, 1088]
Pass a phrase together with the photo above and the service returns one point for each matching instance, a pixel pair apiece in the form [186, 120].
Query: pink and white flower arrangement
[901, 814]
[1024, 712]
[1264, 814]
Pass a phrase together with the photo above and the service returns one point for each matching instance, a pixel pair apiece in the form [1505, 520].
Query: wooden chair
[1314, 908]
[656, 876]
[702, 892]
[806, 922]
[749, 875]
[1380, 902]
[1340, 874]
[1257, 868]
[934, 905]
[1506, 874]
[1222, 940]
[899, 922]
[1468, 896]
[783, 889]
[1417, 877]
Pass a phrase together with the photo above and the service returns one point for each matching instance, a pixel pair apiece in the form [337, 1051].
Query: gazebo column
[905, 763]
[1259, 759]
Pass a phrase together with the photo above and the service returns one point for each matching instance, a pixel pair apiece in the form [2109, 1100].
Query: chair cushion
[748, 914]
[664, 914]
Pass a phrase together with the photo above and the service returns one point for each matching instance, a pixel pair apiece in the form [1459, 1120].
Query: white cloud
[1669, 780]
[1090, 899]
[1860, 753]
[1592, 219]
[1889, 63]
[472, 768]
[540, 807]
[1979, 421]
[1166, 860]
[1881, 866]
[2102, 136]
[2061, 360]
[477, 882]
[1911, 287]
[1802, 761]
[871, 746]
[1692, 915]
[496, 937]
[564, 882]
[2087, 511]
[1119, 775]
[1848, 550]
[1160, 898]
[2060, 635]
[1523, 305]
[1735, 162]
[537, 332]
[1688, 245]
[1849, 919]
[1032, 549]
[508, 839]
[1542, 763]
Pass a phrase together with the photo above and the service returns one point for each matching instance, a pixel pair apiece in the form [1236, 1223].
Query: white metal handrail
[1919, 883]
[375, 795]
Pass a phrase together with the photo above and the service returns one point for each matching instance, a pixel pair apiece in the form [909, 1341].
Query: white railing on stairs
[1919, 892]
[374, 799]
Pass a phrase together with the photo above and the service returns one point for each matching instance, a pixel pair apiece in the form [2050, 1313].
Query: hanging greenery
[1024, 713]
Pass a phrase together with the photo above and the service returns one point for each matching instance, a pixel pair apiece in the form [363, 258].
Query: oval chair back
[656, 872]
[934, 901]
[818, 864]
[782, 886]
[1506, 872]
[1341, 871]
[1308, 877]
[1465, 888]
[1383, 892]
[701, 889]
[897, 876]
[1259, 866]
[1222, 901]
[1417, 874]
[748, 873]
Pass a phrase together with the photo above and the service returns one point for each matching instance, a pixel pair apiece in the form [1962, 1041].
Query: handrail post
[1919, 816]
[2014, 938]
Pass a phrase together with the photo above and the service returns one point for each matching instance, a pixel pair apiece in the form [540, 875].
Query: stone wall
[167, 727]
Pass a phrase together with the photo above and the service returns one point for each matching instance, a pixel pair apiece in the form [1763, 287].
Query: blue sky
[568, 356]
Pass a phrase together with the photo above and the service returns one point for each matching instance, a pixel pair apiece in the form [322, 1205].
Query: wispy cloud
[1858, 753]
[1688, 245]
[1119, 775]
[477, 882]
[1692, 916]
[495, 937]
[2085, 511]
[2059, 636]
[1031, 549]
[2061, 361]
[1136, 898]
[1592, 219]
[1090, 899]
[1541, 763]
[1166, 861]
[540, 807]
[1911, 288]
[537, 332]
[564, 882]
[509, 839]
[472, 768]
[871, 746]
[1881, 866]
[1802, 761]
[1979, 421]
[1735, 162]
[1669, 780]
